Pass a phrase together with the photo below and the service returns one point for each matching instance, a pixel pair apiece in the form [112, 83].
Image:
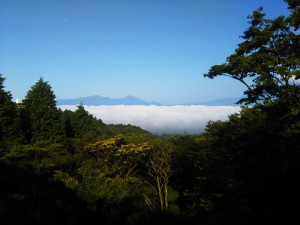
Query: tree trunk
[160, 194]
[166, 194]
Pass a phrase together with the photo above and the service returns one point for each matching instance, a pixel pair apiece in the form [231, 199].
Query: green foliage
[70, 168]
[253, 157]
[43, 158]
[83, 122]
[68, 127]
[45, 119]
[294, 18]
[132, 133]
[189, 160]
[40, 97]
[29, 198]
[108, 176]
[266, 62]
[252, 164]
[159, 172]
[9, 134]
[118, 158]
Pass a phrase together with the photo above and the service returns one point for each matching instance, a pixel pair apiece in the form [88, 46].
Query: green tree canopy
[267, 62]
[294, 18]
[45, 118]
[83, 122]
[253, 158]
[40, 97]
[8, 117]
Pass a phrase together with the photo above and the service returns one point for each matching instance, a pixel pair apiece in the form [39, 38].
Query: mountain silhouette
[99, 100]
[219, 102]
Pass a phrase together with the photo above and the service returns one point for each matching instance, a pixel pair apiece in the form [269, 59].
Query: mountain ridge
[218, 102]
[97, 100]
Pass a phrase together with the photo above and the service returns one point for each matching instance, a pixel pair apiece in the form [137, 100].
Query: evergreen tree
[8, 117]
[68, 124]
[45, 119]
[83, 122]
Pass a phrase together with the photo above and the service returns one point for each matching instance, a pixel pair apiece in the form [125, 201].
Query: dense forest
[67, 167]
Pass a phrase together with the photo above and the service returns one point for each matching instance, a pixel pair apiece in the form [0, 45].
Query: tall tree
[83, 122]
[254, 156]
[159, 172]
[46, 120]
[8, 117]
[267, 62]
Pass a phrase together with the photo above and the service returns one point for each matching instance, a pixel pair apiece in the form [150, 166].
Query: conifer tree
[83, 122]
[8, 117]
[45, 119]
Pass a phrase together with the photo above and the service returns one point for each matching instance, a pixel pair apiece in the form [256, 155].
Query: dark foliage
[65, 167]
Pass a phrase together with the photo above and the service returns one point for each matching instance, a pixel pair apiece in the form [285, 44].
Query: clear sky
[156, 50]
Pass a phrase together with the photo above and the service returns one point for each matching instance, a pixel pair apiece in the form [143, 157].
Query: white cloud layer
[161, 119]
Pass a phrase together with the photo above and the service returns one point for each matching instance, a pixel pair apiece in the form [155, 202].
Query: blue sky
[156, 50]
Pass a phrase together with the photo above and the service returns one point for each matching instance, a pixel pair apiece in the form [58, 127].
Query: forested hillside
[67, 167]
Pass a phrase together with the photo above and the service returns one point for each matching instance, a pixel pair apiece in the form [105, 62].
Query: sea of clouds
[161, 119]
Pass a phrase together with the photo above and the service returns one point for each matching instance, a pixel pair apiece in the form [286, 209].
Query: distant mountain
[219, 102]
[99, 100]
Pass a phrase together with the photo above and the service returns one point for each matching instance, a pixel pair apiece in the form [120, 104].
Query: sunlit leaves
[266, 62]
